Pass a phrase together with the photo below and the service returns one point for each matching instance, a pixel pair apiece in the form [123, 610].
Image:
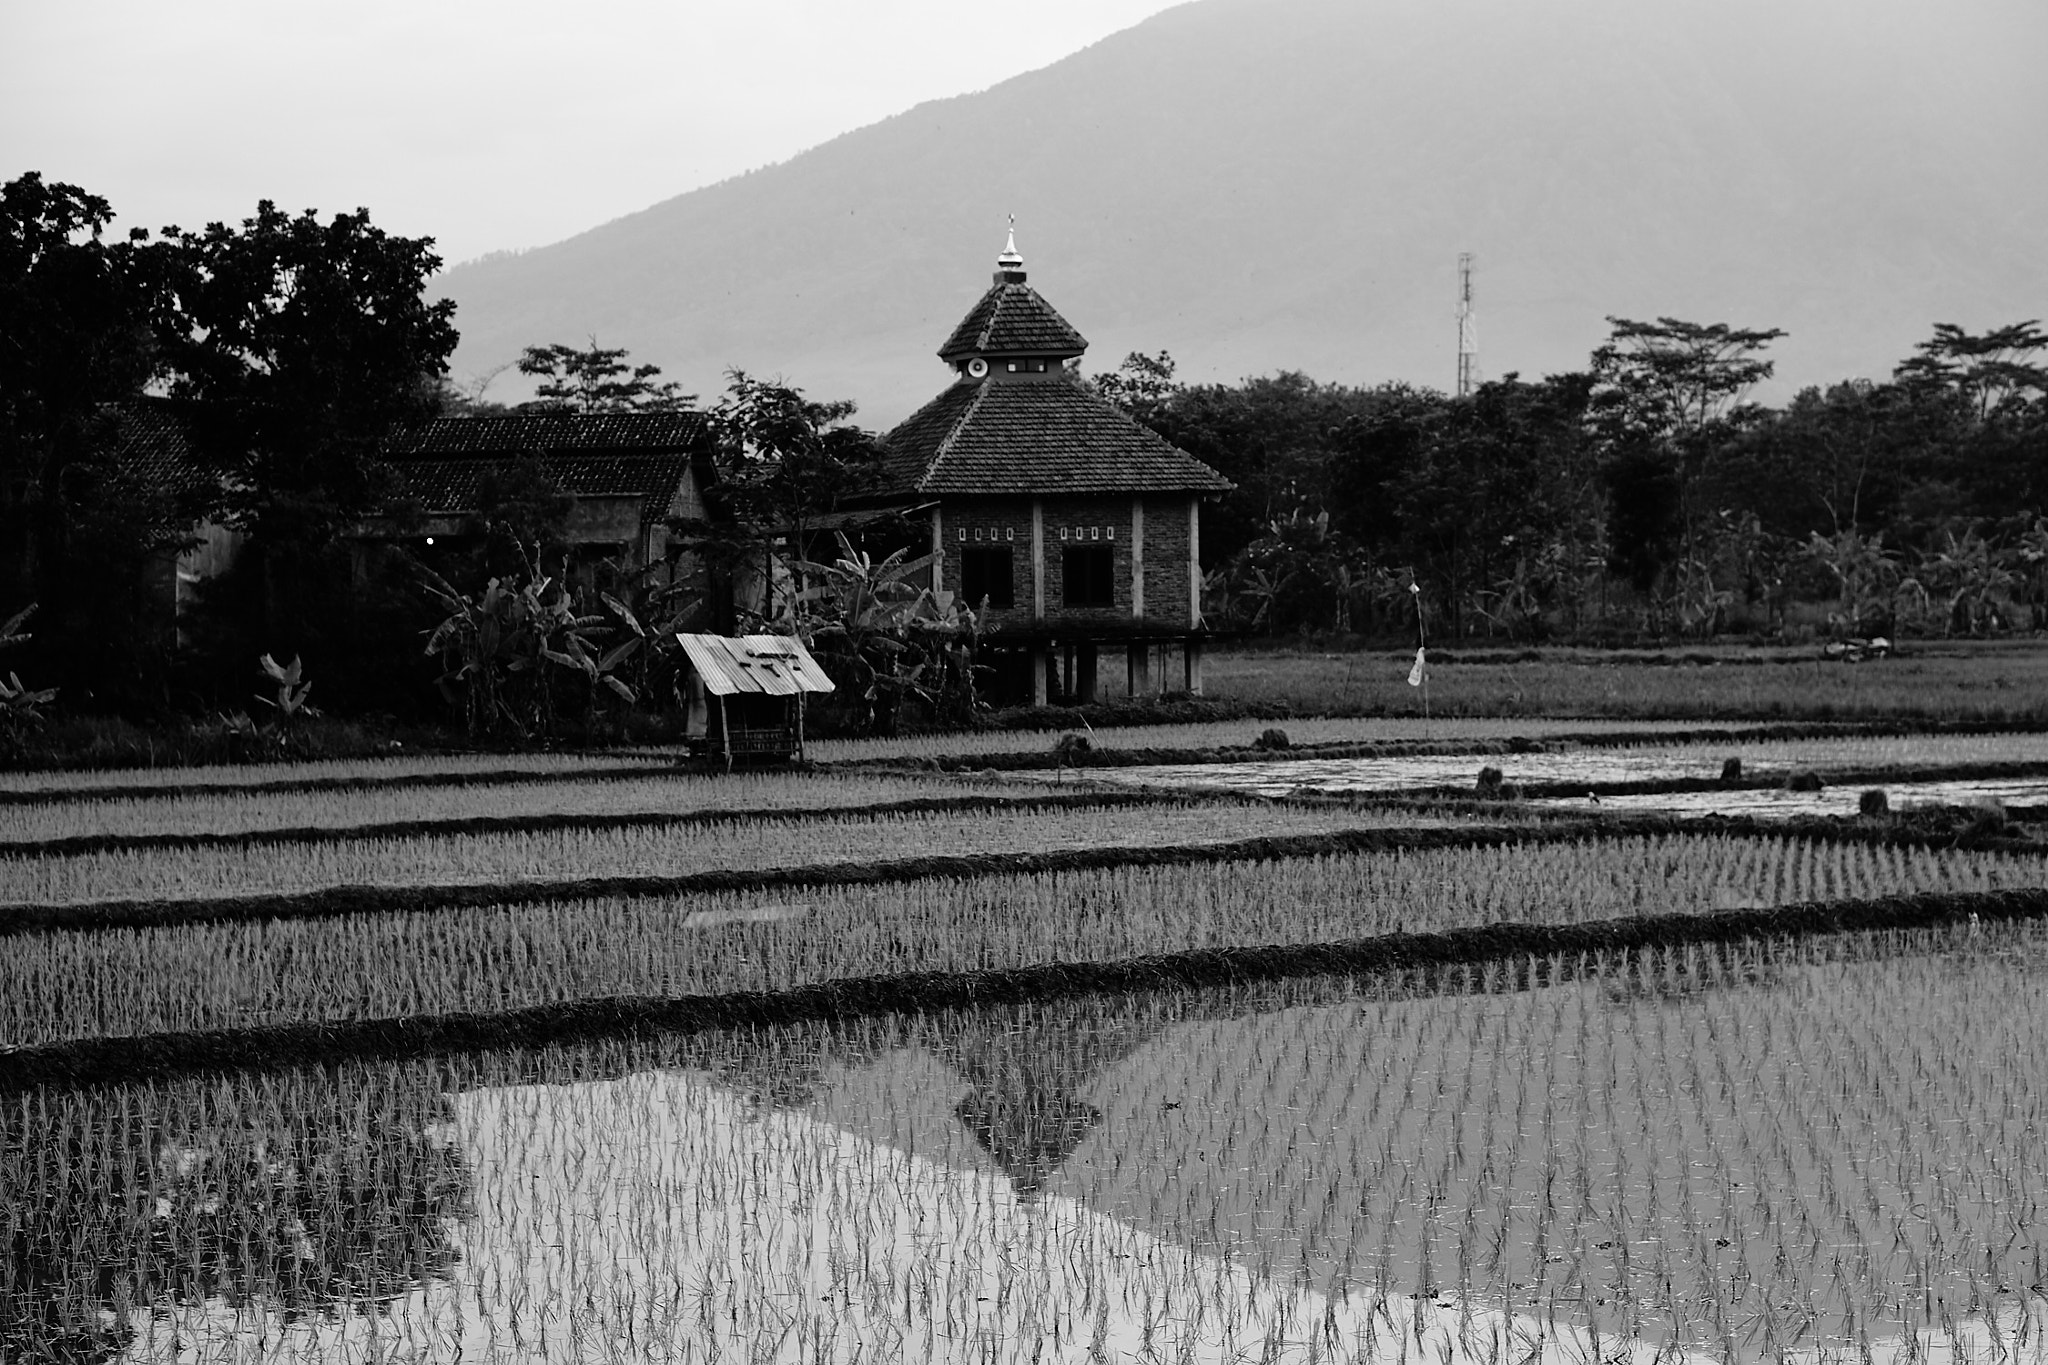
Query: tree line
[283, 353]
[1643, 497]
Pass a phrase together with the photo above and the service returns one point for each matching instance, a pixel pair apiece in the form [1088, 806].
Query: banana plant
[500, 650]
[21, 706]
[886, 634]
[292, 688]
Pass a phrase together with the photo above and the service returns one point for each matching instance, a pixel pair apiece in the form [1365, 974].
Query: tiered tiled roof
[643, 455]
[1011, 319]
[1043, 437]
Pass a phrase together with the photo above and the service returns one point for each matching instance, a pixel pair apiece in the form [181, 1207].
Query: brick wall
[984, 522]
[1097, 521]
[1166, 561]
[1102, 522]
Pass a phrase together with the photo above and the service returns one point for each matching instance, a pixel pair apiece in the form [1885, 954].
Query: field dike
[1043, 758]
[1770, 781]
[76, 845]
[1536, 955]
[342, 901]
[651, 765]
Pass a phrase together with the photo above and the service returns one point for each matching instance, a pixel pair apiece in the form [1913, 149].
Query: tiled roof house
[628, 472]
[153, 455]
[1073, 525]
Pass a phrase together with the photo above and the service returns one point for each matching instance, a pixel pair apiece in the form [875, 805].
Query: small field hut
[746, 696]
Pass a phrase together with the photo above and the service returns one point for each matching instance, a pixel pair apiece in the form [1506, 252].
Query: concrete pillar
[1138, 665]
[1037, 559]
[1137, 559]
[1195, 571]
[1067, 673]
[938, 552]
[1041, 669]
[1191, 661]
[1086, 661]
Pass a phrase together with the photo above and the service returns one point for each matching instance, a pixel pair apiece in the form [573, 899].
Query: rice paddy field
[598, 1059]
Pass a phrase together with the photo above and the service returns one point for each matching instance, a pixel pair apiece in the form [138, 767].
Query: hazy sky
[511, 123]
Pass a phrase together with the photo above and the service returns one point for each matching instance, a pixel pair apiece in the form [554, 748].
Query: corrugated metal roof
[774, 665]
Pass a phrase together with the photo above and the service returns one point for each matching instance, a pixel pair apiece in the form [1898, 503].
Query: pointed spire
[1010, 265]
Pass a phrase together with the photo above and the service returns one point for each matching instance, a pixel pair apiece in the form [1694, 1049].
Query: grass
[208, 976]
[1934, 682]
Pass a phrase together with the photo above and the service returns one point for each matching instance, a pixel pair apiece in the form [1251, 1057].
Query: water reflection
[1819, 1152]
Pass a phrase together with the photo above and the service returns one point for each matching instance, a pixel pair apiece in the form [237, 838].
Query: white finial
[1010, 260]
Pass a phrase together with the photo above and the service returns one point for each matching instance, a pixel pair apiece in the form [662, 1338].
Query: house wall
[609, 521]
[1150, 540]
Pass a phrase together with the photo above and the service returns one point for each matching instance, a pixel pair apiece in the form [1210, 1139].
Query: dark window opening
[985, 572]
[1089, 574]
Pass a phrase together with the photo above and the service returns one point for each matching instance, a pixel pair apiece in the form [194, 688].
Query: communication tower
[1468, 328]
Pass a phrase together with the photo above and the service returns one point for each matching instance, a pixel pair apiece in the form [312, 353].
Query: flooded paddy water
[1822, 1151]
[1600, 767]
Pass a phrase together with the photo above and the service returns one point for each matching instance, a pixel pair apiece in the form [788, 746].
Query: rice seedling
[1816, 1152]
[574, 853]
[669, 793]
[368, 769]
[203, 976]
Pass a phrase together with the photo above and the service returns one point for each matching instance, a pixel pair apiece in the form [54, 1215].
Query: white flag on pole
[1416, 674]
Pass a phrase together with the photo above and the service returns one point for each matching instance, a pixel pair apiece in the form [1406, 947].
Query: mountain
[1267, 184]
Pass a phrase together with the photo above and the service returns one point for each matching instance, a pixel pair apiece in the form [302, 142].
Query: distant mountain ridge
[1266, 184]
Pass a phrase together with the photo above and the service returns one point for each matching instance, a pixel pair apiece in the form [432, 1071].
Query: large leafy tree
[79, 314]
[298, 345]
[1666, 397]
[302, 344]
[1491, 510]
[1976, 411]
[599, 379]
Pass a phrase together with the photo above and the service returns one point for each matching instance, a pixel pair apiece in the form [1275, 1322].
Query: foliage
[302, 345]
[598, 380]
[1141, 387]
[504, 650]
[78, 524]
[20, 705]
[1665, 396]
[1989, 374]
[886, 638]
[782, 462]
[293, 688]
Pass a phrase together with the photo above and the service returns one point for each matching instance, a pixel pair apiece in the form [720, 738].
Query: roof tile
[646, 455]
[1035, 437]
[1011, 319]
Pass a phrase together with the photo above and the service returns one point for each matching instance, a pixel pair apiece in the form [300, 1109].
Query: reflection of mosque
[1028, 1067]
